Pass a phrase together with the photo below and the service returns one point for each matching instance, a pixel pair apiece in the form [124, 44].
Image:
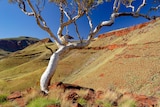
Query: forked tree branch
[114, 15]
[22, 6]
[73, 19]
[112, 19]
[131, 6]
[75, 24]
[70, 20]
[116, 5]
[40, 21]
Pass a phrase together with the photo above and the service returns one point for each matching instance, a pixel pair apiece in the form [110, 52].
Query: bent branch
[111, 21]
[142, 5]
[40, 21]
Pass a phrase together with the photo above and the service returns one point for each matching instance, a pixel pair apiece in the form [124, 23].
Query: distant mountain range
[14, 44]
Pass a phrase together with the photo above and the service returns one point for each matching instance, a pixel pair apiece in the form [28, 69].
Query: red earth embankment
[125, 31]
[73, 93]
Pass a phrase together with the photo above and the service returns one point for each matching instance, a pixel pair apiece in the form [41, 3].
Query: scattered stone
[143, 101]
[99, 94]
[66, 86]
[20, 102]
[73, 96]
[14, 95]
[90, 96]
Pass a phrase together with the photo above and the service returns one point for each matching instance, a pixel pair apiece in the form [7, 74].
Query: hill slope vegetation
[127, 59]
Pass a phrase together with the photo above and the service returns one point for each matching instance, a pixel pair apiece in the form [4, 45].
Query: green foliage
[82, 101]
[43, 102]
[104, 103]
[3, 98]
[107, 104]
[128, 103]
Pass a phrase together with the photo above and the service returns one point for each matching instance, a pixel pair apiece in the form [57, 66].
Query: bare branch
[128, 4]
[42, 24]
[39, 6]
[78, 34]
[48, 48]
[66, 24]
[111, 21]
[90, 21]
[119, 3]
[136, 15]
[62, 13]
[70, 17]
[67, 15]
[104, 23]
[22, 6]
[67, 31]
[79, 7]
[154, 8]
[115, 9]
[142, 5]
[72, 20]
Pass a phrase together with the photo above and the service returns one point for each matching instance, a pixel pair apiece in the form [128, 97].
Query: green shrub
[3, 98]
[104, 103]
[43, 102]
[107, 104]
[128, 103]
[82, 101]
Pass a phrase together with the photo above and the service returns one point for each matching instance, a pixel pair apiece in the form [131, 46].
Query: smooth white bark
[48, 73]
[52, 65]
[142, 5]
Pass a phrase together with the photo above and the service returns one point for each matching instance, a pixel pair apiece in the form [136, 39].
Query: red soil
[91, 96]
[125, 31]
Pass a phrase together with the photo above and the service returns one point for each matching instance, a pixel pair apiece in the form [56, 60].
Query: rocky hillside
[125, 31]
[118, 64]
[14, 44]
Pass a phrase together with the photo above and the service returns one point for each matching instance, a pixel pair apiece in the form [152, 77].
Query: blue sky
[14, 23]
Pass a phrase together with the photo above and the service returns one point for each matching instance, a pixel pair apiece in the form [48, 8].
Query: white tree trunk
[48, 73]
[50, 70]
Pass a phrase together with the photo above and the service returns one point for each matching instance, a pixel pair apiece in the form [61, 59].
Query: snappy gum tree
[70, 11]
